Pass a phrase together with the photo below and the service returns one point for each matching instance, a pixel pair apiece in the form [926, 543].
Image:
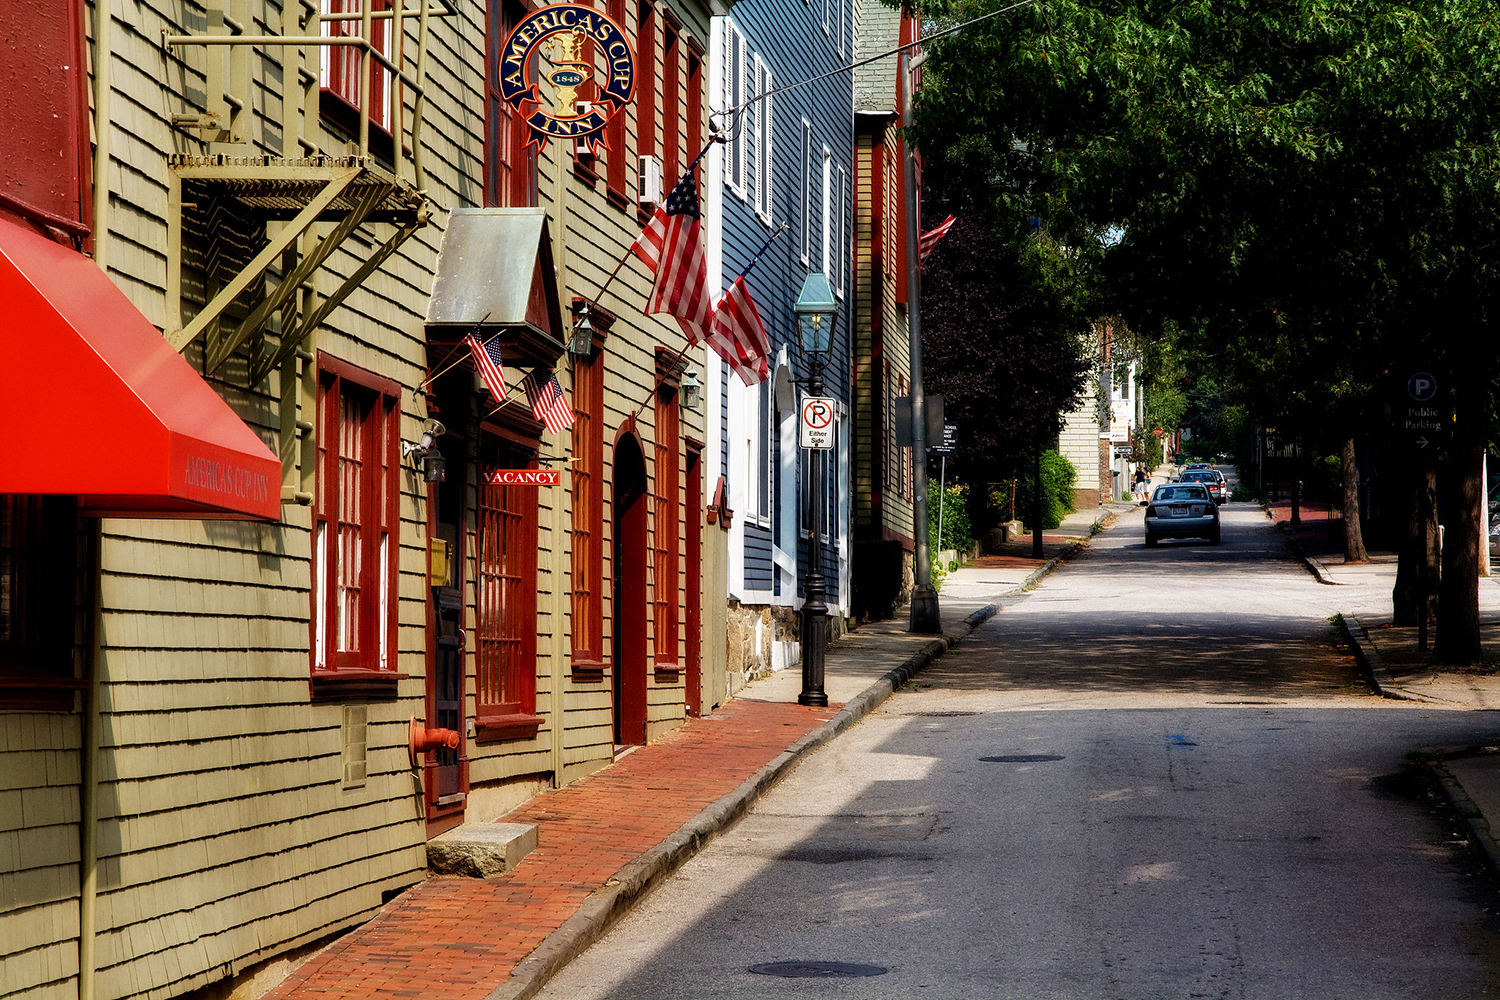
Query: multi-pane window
[38, 601]
[764, 165]
[509, 163]
[588, 512]
[342, 63]
[827, 214]
[671, 99]
[505, 576]
[734, 96]
[694, 104]
[841, 248]
[668, 520]
[645, 88]
[355, 533]
[805, 182]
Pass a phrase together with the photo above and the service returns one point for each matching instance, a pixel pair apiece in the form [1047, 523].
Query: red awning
[94, 402]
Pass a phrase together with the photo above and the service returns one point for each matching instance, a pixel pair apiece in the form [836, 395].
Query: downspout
[88, 792]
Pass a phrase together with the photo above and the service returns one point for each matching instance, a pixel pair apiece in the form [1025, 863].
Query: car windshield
[1198, 477]
[1179, 493]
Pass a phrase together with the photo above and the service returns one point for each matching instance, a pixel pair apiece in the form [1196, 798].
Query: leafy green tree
[1307, 190]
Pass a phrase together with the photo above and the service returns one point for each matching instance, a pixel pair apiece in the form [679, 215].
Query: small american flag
[548, 404]
[928, 240]
[738, 336]
[672, 245]
[489, 363]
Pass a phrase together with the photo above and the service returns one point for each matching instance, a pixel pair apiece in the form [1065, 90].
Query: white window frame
[843, 23]
[765, 175]
[841, 247]
[765, 416]
[734, 96]
[827, 207]
[827, 17]
[806, 184]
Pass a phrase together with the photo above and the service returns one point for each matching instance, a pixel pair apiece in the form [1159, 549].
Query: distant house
[883, 474]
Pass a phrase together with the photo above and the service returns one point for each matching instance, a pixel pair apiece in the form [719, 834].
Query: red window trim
[616, 137]
[667, 572]
[588, 658]
[671, 100]
[355, 677]
[695, 61]
[515, 717]
[521, 189]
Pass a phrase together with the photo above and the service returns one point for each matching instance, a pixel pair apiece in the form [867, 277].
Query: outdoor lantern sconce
[434, 466]
[582, 343]
[691, 389]
[816, 312]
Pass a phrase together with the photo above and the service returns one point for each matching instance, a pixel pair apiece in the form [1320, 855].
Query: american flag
[928, 240]
[548, 404]
[738, 336]
[489, 363]
[672, 246]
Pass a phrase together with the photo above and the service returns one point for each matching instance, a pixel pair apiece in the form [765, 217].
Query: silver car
[1181, 510]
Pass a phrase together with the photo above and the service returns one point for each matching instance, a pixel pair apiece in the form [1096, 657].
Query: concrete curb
[1104, 520]
[1458, 798]
[1373, 667]
[606, 906]
[1314, 567]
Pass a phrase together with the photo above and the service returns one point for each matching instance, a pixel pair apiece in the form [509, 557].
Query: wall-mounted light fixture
[691, 389]
[583, 336]
[434, 466]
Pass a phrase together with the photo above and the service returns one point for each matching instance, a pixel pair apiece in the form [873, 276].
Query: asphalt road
[1155, 776]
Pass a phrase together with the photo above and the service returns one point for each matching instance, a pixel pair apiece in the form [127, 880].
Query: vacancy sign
[817, 422]
[521, 477]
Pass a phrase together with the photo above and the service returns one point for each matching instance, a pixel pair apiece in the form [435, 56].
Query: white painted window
[843, 23]
[841, 248]
[828, 17]
[806, 185]
[764, 163]
[763, 463]
[734, 96]
[827, 210]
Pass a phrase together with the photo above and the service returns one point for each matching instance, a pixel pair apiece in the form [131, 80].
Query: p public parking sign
[817, 422]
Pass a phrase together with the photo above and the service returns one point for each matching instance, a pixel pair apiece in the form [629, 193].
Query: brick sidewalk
[460, 938]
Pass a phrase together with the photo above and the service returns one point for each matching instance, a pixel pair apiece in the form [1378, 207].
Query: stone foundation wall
[763, 638]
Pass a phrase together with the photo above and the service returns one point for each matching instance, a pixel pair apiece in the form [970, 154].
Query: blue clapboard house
[787, 169]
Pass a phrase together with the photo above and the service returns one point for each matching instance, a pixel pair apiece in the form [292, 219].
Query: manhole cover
[817, 970]
[1022, 758]
[939, 715]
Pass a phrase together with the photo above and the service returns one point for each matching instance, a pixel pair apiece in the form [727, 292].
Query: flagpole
[422, 385]
[630, 251]
[660, 378]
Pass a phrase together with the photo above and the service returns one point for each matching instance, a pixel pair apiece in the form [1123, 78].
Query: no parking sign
[817, 422]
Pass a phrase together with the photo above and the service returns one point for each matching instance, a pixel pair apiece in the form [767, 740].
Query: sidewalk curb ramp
[605, 907]
[1314, 567]
[1458, 798]
[1373, 667]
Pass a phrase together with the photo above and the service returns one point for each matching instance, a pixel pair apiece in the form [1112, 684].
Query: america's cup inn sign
[563, 32]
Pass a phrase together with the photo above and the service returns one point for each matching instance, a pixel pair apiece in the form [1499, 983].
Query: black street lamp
[817, 313]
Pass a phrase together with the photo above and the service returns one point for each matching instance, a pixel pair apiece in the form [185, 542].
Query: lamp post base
[926, 616]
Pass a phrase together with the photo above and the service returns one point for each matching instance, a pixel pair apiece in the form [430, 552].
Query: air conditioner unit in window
[581, 147]
[650, 175]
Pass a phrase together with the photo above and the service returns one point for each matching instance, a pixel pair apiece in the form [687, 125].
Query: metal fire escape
[303, 204]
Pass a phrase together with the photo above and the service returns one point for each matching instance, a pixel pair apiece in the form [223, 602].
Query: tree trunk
[1036, 508]
[1458, 626]
[1417, 570]
[1354, 539]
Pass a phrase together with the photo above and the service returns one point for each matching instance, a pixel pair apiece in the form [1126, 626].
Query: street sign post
[1424, 422]
[817, 422]
[947, 444]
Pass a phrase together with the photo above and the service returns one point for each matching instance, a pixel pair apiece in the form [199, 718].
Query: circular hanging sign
[561, 33]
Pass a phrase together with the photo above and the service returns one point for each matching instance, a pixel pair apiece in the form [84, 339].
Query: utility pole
[926, 616]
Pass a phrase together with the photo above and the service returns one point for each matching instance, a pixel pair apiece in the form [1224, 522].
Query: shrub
[1058, 479]
[1242, 494]
[957, 532]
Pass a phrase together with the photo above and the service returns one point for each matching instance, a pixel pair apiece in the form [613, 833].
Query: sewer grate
[817, 970]
[940, 715]
[1022, 758]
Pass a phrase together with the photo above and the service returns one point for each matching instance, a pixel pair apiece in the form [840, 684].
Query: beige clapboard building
[265, 626]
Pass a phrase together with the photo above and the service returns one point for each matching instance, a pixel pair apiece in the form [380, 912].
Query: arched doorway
[629, 605]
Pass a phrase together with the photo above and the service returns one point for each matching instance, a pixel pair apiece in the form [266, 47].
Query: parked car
[1211, 478]
[1181, 510]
